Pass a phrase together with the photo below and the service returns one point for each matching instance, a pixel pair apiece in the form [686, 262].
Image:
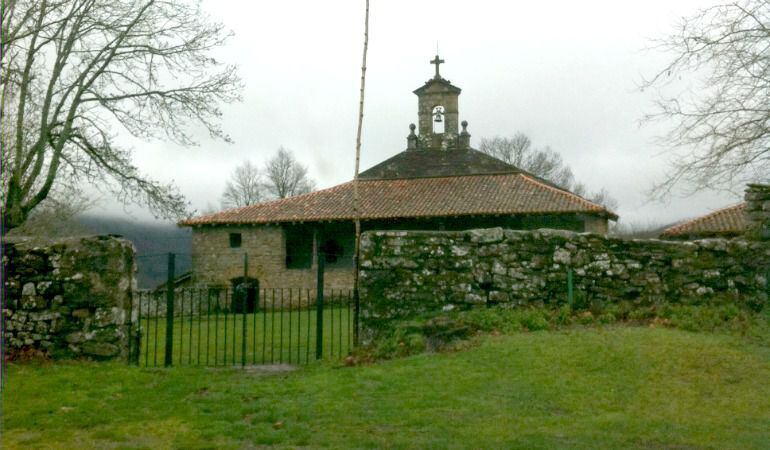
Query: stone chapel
[438, 182]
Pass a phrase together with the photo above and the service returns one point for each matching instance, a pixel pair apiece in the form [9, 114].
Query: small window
[333, 251]
[339, 249]
[235, 240]
[299, 247]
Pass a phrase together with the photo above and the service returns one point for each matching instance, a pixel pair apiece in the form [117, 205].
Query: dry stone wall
[69, 298]
[409, 273]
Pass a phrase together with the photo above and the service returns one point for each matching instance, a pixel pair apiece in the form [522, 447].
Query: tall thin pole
[356, 199]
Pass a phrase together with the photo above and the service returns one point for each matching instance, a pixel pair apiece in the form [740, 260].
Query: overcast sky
[565, 73]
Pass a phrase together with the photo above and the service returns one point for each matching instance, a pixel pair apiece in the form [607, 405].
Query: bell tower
[437, 111]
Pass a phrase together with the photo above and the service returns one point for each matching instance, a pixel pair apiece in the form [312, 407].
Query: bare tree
[517, 150]
[76, 73]
[721, 133]
[245, 187]
[548, 164]
[514, 150]
[58, 214]
[545, 163]
[286, 177]
[600, 197]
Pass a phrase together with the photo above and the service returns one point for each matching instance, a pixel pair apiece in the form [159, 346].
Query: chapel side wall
[595, 224]
[215, 263]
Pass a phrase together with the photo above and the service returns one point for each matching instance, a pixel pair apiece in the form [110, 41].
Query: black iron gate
[242, 325]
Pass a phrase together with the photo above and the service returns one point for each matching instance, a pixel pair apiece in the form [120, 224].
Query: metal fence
[226, 327]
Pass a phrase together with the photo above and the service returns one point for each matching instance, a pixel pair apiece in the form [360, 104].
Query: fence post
[170, 309]
[357, 307]
[131, 357]
[570, 294]
[319, 303]
[244, 294]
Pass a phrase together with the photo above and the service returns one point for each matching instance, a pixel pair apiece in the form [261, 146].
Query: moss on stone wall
[70, 297]
[406, 274]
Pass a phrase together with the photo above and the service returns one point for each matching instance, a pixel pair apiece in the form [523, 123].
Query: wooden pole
[356, 198]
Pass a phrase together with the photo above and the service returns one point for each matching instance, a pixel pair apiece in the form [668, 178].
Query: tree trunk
[13, 211]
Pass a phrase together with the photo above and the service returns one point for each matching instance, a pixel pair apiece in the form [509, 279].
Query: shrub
[707, 318]
[448, 330]
[534, 320]
[563, 315]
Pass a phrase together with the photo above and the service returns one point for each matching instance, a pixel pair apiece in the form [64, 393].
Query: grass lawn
[611, 387]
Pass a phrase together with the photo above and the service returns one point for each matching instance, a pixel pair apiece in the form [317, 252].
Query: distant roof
[437, 196]
[730, 221]
[438, 163]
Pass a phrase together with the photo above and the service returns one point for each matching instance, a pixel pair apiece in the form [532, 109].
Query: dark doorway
[245, 298]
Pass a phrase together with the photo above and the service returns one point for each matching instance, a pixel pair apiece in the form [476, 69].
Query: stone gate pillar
[757, 198]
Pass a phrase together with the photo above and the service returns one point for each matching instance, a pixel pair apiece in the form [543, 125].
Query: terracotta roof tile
[725, 221]
[513, 193]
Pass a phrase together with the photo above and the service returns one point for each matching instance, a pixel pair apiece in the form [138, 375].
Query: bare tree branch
[721, 133]
[77, 72]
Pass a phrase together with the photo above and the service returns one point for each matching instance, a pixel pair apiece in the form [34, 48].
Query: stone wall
[407, 273]
[757, 198]
[215, 263]
[69, 298]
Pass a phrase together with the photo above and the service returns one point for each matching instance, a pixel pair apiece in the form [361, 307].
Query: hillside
[153, 241]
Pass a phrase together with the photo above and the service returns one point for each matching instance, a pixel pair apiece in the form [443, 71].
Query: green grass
[604, 387]
[217, 339]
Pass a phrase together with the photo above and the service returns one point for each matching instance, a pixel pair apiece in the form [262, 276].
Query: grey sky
[563, 72]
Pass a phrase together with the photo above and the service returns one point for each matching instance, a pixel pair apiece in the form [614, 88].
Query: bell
[438, 118]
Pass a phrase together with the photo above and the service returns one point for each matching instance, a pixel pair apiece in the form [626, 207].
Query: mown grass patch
[593, 387]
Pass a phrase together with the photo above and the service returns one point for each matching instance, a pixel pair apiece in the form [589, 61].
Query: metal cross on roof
[437, 61]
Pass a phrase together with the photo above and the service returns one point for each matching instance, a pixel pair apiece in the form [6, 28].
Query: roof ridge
[674, 229]
[511, 172]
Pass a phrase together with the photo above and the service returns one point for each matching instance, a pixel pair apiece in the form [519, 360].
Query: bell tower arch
[437, 107]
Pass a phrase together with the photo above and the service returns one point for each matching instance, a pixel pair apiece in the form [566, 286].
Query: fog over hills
[153, 242]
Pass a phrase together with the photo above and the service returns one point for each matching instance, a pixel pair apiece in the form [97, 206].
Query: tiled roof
[504, 194]
[725, 221]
